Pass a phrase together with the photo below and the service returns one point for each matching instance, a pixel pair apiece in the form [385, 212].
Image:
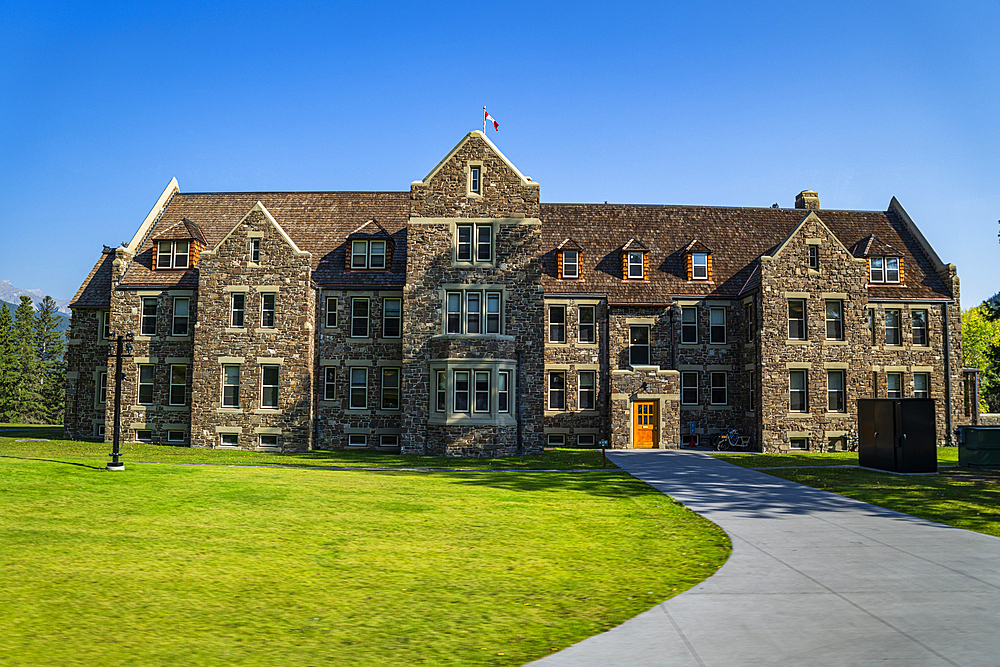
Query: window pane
[639, 345]
[921, 385]
[454, 312]
[330, 384]
[557, 324]
[503, 395]
[796, 319]
[359, 255]
[587, 325]
[441, 389]
[461, 391]
[239, 305]
[163, 260]
[267, 311]
[391, 318]
[474, 185]
[893, 385]
[472, 310]
[464, 243]
[892, 327]
[689, 325]
[331, 311]
[377, 257]
[557, 391]
[570, 264]
[484, 242]
[269, 387]
[587, 390]
[719, 384]
[689, 388]
[699, 266]
[717, 333]
[180, 321]
[892, 269]
[148, 323]
[920, 327]
[178, 384]
[835, 391]
[834, 320]
[482, 391]
[877, 274]
[493, 312]
[359, 388]
[390, 389]
[635, 267]
[359, 318]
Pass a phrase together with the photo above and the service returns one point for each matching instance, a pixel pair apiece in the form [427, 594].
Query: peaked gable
[259, 207]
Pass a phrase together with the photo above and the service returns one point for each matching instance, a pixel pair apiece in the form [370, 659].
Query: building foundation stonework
[465, 317]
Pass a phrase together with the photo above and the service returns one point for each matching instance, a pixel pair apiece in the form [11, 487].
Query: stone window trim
[442, 372]
[474, 243]
[173, 255]
[475, 171]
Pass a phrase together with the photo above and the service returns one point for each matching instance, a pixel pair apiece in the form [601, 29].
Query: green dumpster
[979, 447]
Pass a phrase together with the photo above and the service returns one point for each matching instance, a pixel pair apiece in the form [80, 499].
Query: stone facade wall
[86, 353]
[338, 349]
[290, 344]
[645, 383]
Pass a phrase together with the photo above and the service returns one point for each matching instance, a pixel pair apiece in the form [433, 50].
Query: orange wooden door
[644, 425]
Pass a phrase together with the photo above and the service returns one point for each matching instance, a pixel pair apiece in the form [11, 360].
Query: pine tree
[49, 348]
[7, 365]
[27, 400]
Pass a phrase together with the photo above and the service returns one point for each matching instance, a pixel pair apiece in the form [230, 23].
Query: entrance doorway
[644, 435]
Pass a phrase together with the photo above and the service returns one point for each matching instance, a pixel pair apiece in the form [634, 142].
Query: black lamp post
[115, 347]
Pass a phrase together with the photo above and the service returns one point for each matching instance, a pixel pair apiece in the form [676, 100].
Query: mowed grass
[97, 452]
[946, 456]
[205, 565]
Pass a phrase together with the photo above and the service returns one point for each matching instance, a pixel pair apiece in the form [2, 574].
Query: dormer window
[699, 266]
[368, 255]
[570, 264]
[884, 269]
[635, 266]
[172, 254]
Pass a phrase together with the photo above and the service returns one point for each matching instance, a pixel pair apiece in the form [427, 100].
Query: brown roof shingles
[95, 292]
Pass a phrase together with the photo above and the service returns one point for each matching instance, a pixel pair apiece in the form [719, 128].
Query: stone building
[465, 317]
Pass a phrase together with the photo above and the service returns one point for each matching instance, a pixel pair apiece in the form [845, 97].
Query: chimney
[807, 199]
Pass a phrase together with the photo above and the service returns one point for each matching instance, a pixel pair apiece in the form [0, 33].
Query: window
[798, 443]
[239, 304]
[835, 397]
[473, 306]
[689, 388]
[719, 389]
[834, 320]
[557, 324]
[474, 180]
[556, 440]
[483, 241]
[751, 389]
[392, 318]
[814, 257]
[876, 272]
[390, 389]
[359, 317]
[269, 387]
[357, 440]
[178, 384]
[921, 385]
[894, 385]
[172, 255]
[493, 312]
[689, 325]
[585, 440]
[268, 440]
[797, 392]
[503, 391]
[102, 386]
[267, 311]
[231, 386]
[635, 266]
[454, 324]
[329, 383]
[461, 391]
[175, 436]
[588, 390]
[796, 319]
[148, 323]
[892, 269]
[557, 390]
[144, 436]
[331, 312]
[229, 439]
[638, 350]
[892, 327]
[717, 326]
[871, 324]
[570, 264]
[368, 255]
[359, 388]
[146, 373]
[699, 266]
[255, 251]
[105, 324]
[388, 441]
[748, 321]
[482, 403]
[919, 327]
[179, 327]
[441, 390]
[588, 331]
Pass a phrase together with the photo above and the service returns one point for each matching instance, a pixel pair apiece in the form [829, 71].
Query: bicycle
[732, 439]
[851, 440]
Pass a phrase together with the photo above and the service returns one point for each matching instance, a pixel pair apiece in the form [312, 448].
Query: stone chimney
[807, 199]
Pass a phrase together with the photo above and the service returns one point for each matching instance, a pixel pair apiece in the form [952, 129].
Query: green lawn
[946, 456]
[206, 565]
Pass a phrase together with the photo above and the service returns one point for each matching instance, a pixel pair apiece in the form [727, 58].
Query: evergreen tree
[27, 380]
[49, 348]
[7, 366]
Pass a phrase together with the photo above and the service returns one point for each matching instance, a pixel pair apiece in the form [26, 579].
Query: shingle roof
[318, 222]
[738, 237]
[95, 292]
[185, 229]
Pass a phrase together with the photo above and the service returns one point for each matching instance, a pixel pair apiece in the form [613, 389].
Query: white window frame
[268, 445]
[479, 394]
[897, 330]
[503, 391]
[358, 389]
[926, 391]
[173, 257]
[468, 245]
[898, 391]
[255, 251]
[170, 437]
[224, 439]
[802, 393]
[331, 311]
[465, 310]
[799, 444]
[555, 440]
[919, 316]
[699, 266]
[835, 395]
[589, 391]
[102, 387]
[717, 334]
[586, 440]
[387, 440]
[473, 314]
[357, 440]
[689, 383]
[647, 345]
[570, 264]
[356, 318]
[804, 332]
[270, 393]
[837, 321]
[814, 257]
[173, 384]
[236, 395]
[475, 179]
[892, 270]
[386, 318]
[719, 383]
[149, 382]
[689, 325]
[241, 297]
[462, 396]
[494, 318]
[264, 311]
[472, 251]
[441, 391]
[388, 370]
[177, 319]
[587, 330]
[147, 321]
[105, 324]
[329, 383]
[557, 392]
[636, 259]
[480, 244]
[557, 324]
[876, 269]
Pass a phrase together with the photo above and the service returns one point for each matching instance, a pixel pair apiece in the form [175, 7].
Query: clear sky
[709, 103]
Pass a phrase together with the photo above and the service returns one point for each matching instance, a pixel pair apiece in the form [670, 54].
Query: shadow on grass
[68, 463]
[607, 484]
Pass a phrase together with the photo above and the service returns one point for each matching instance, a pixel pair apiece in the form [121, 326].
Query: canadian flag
[496, 125]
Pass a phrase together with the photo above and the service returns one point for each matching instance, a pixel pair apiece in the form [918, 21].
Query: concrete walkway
[814, 579]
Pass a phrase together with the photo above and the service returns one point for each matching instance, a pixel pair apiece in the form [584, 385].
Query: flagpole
[484, 119]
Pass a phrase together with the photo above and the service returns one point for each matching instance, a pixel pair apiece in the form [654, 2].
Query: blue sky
[710, 103]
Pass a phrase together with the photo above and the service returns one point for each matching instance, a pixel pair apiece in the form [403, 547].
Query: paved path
[814, 579]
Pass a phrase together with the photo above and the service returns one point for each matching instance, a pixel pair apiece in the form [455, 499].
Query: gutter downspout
[947, 375]
[517, 397]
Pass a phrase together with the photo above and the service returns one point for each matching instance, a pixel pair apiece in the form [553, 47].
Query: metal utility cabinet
[897, 434]
[979, 447]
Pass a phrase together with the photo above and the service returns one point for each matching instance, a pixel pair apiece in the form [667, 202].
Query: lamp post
[118, 341]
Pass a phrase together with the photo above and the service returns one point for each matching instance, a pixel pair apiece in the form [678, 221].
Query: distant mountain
[63, 320]
[12, 294]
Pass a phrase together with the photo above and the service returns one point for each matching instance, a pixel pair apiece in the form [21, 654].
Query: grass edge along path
[270, 566]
